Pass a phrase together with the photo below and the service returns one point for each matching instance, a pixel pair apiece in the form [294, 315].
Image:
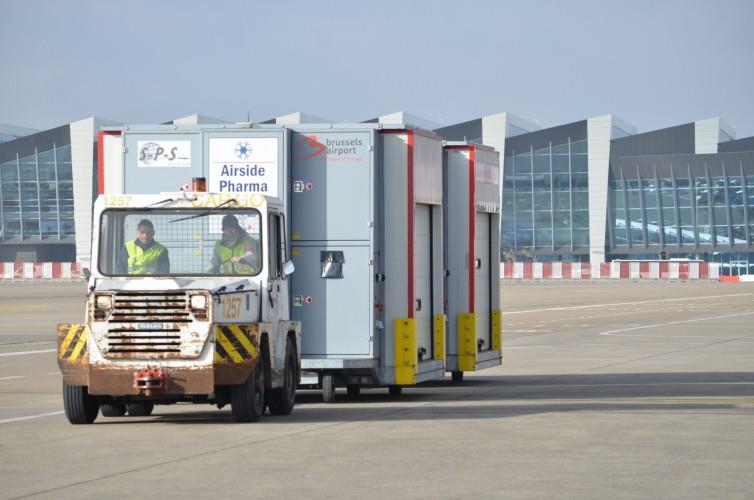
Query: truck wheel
[113, 409]
[80, 407]
[457, 377]
[394, 390]
[282, 400]
[328, 388]
[247, 399]
[140, 408]
[353, 390]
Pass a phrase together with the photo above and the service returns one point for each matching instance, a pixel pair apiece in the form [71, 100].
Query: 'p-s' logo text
[151, 152]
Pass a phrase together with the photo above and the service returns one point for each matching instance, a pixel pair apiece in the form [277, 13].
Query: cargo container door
[331, 297]
[423, 278]
[482, 279]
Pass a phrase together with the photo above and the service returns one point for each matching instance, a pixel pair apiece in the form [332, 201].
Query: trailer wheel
[247, 399]
[353, 390]
[328, 388]
[140, 408]
[113, 409]
[457, 377]
[395, 390]
[282, 400]
[79, 406]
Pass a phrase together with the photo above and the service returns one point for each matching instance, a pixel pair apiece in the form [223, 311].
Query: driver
[143, 255]
[236, 252]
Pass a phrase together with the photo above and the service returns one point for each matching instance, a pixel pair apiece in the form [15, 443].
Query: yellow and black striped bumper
[72, 342]
[73, 355]
[235, 343]
[236, 352]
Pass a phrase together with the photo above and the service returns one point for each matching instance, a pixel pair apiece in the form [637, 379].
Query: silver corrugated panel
[487, 177]
[427, 170]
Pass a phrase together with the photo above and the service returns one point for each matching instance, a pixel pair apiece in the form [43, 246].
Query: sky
[653, 64]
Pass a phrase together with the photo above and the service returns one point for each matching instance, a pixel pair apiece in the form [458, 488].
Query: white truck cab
[187, 302]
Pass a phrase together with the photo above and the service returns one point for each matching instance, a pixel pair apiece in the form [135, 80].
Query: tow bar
[150, 380]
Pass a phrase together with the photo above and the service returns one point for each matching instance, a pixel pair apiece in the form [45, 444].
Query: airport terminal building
[47, 184]
[596, 191]
[590, 191]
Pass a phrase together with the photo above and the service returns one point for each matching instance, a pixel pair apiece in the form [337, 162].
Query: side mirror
[85, 273]
[288, 268]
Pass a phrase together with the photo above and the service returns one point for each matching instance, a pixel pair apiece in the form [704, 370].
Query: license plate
[149, 326]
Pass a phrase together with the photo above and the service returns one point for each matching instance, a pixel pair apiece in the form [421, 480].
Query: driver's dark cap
[230, 221]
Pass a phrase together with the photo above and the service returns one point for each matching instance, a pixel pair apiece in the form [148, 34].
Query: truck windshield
[180, 242]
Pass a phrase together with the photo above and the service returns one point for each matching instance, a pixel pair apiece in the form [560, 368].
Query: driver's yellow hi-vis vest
[225, 253]
[141, 261]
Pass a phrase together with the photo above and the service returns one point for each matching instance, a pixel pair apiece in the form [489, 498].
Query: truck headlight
[103, 302]
[199, 301]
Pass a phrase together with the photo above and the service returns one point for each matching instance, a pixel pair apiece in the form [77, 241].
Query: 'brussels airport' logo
[243, 150]
[340, 148]
[315, 147]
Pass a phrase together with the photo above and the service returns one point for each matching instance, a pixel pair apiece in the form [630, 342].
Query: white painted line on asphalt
[528, 347]
[584, 345]
[30, 417]
[593, 306]
[12, 377]
[25, 353]
[616, 333]
[526, 331]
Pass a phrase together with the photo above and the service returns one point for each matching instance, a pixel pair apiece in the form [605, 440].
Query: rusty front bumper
[234, 356]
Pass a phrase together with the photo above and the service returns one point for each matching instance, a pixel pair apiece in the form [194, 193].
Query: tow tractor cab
[182, 309]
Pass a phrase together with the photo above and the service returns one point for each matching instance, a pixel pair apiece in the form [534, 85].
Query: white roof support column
[82, 162]
[599, 133]
[709, 133]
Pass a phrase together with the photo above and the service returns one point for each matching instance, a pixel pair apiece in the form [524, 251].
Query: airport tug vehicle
[213, 327]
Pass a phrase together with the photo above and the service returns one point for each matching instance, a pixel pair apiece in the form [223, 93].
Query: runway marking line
[615, 333]
[30, 417]
[25, 353]
[592, 306]
[13, 377]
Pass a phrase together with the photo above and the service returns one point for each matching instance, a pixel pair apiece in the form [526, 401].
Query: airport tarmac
[615, 390]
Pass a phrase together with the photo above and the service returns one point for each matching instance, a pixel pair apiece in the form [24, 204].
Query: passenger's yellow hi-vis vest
[225, 253]
[143, 262]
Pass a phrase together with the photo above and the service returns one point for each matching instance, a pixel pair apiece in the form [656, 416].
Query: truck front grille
[147, 325]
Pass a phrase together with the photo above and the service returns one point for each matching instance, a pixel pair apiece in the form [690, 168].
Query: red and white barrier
[634, 270]
[617, 270]
[40, 271]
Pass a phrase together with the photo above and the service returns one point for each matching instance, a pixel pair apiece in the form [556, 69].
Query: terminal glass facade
[698, 206]
[36, 195]
[546, 202]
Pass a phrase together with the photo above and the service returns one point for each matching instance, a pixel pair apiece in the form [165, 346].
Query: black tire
[395, 390]
[457, 377]
[328, 388]
[113, 409]
[247, 400]
[140, 408]
[353, 390]
[79, 406]
[282, 400]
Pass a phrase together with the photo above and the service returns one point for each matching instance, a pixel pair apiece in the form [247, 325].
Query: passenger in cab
[143, 255]
[236, 252]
